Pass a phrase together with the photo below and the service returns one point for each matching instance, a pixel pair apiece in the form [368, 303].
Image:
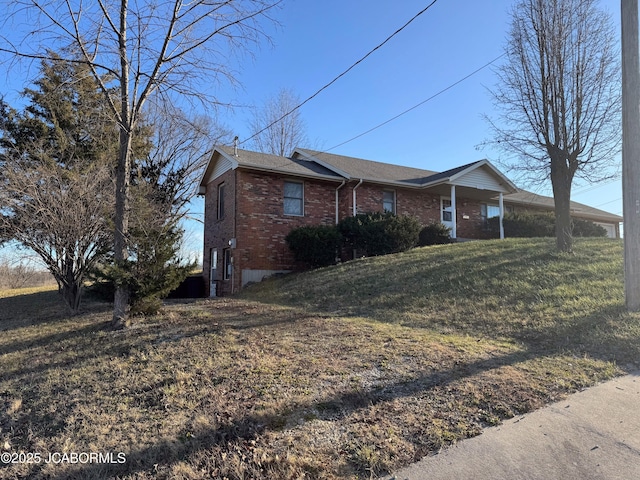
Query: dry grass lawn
[328, 374]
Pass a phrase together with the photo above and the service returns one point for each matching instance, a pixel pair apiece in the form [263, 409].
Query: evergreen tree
[55, 159]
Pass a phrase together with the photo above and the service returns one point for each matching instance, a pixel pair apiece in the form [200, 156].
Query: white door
[446, 211]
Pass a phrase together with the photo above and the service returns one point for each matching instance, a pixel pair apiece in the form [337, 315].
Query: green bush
[528, 225]
[315, 245]
[541, 225]
[379, 233]
[152, 272]
[585, 228]
[434, 234]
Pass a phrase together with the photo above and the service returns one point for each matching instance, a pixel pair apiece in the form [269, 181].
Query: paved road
[593, 434]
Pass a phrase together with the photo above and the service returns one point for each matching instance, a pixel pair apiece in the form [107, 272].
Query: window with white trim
[488, 211]
[389, 201]
[220, 213]
[445, 207]
[293, 198]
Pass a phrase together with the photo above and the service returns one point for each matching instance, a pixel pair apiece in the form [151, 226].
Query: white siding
[222, 165]
[481, 179]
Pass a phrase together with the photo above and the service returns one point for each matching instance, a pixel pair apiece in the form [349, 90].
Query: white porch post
[453, 212]
[501, 205]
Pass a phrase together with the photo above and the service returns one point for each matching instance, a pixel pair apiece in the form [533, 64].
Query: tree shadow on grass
[243, 431]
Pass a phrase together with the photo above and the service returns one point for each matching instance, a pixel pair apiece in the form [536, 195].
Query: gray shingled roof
[526, 198]
[249, 159]
[371, 170]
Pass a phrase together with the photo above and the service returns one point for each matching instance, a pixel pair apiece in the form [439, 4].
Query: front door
[446, 211]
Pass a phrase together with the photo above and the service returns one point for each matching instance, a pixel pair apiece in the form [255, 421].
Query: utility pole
[631, 152]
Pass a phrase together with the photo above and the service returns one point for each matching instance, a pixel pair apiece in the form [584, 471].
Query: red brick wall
[262, 225]
[470, 223]
[424, 206]
[218, 232]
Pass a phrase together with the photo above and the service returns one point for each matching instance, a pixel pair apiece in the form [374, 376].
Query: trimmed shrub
[585, 228]
[379, 233]
[526, 225]
[314, 245]
[434, 234]
[541, 225]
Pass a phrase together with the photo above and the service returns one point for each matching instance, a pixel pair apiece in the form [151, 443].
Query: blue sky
[317, 40]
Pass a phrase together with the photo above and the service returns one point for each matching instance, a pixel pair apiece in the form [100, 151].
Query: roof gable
[227, 158]
[481, 175]
[219, 163]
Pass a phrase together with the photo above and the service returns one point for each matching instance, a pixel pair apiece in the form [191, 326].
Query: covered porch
[480, 184]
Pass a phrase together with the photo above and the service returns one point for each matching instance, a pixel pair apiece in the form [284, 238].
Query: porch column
[501, 205]
[453, 212]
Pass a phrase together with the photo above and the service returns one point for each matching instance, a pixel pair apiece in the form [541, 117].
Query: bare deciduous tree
[20, 271]
[181, 147]
[59, 212]
[559, 98]
[281, 137]
[167, 49]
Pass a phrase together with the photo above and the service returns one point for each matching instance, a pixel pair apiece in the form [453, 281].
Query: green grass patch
[345, 372]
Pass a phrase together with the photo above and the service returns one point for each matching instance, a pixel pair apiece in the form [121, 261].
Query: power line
[607, 203]
[342, 74]
[419, 104]
[593, 187]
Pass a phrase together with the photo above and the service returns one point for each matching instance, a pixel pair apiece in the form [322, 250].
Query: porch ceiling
[466, 192]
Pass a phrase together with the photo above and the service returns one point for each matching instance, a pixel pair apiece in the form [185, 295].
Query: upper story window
[389, 201]
[293, 198]
[220, 211]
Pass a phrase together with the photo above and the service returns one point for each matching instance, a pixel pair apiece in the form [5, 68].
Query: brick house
[253, 200]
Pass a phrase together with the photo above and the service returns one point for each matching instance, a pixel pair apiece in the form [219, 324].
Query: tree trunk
[121, 299]
[561, 179]
[121, 254]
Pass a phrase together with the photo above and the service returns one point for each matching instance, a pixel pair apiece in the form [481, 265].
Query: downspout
[339, 187]
[235, 227]
[501, 205]
[355, 209]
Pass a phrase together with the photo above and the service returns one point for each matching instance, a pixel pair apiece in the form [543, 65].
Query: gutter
[355, 210]
[339, 187]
